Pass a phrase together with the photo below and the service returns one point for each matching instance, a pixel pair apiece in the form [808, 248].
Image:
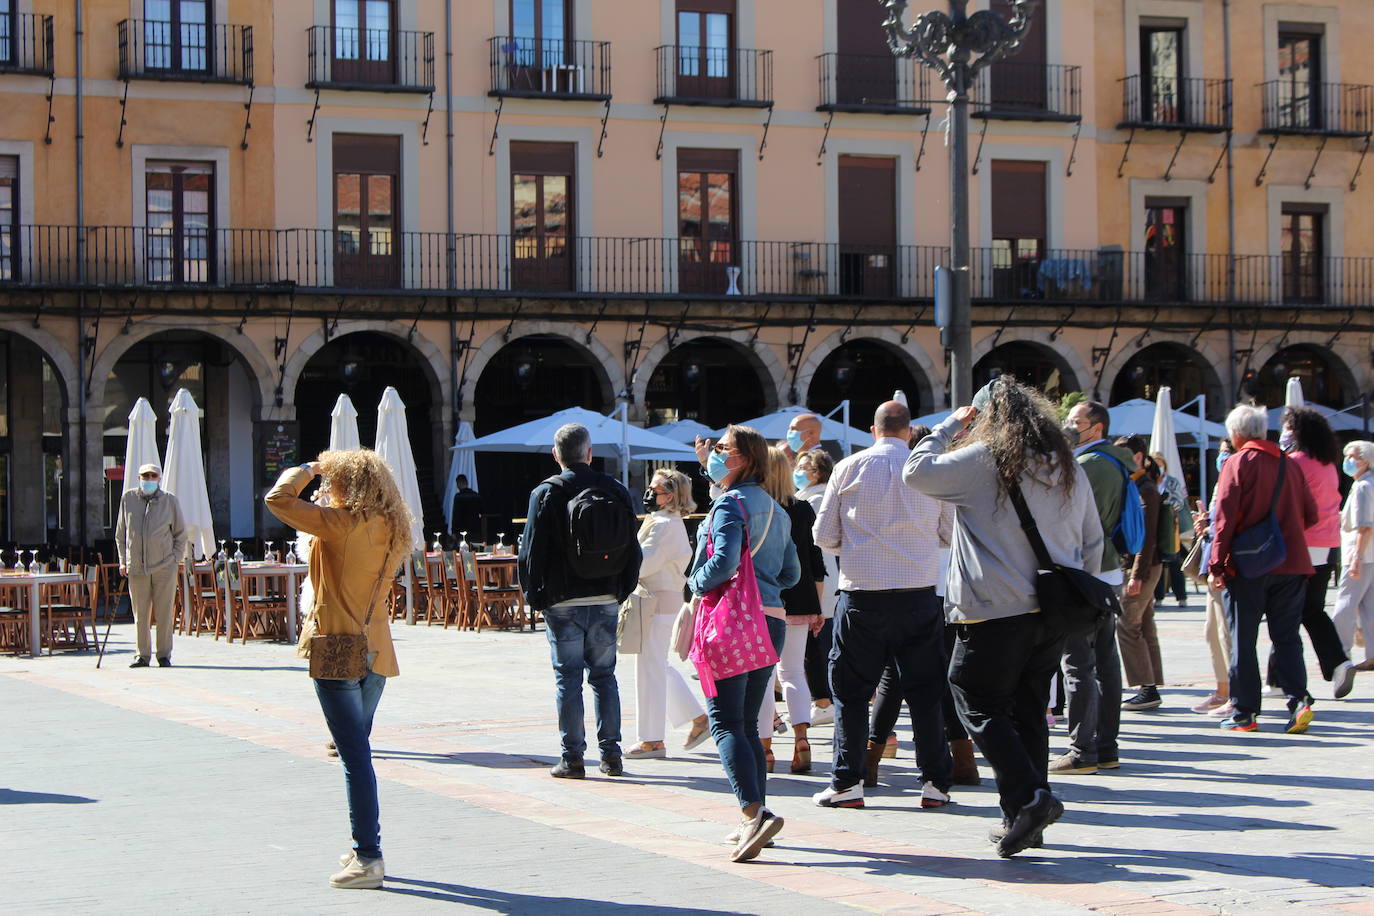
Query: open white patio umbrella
[343, 426]
[1162, 437]
[1292, 393]
[1136, 417]
[685, 431]
[774, 426]
[393, 445]
[609, 436]
[1339, 420]
[461, 462]
[184, 475]
[932, 419]
[141, 448]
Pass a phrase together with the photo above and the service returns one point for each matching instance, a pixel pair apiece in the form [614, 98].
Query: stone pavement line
[1100, 897]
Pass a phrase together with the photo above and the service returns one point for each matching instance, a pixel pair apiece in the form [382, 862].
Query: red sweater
[1242, 500]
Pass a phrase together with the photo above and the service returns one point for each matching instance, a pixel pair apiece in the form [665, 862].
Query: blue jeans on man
[348, 708]
[1280, 599]
[582, 637]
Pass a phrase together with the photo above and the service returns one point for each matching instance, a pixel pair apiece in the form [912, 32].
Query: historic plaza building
[711, 208]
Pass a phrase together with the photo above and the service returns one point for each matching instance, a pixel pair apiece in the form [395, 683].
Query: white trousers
[1355, 601]
[791, 670]
[660, 689]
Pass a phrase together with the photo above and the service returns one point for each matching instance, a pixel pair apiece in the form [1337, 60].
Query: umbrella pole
[1202, 450]
[410, 597]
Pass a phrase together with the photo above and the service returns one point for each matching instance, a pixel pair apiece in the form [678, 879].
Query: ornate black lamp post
[948, 43]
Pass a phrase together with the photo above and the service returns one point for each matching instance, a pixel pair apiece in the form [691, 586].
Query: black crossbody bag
[1071, 600]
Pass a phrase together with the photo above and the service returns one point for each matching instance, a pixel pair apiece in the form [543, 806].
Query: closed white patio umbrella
[141, 447]
[393, 445]
[461, 463]
[343, 426]
[1162, 437]
[184, 475]
[1292, 393]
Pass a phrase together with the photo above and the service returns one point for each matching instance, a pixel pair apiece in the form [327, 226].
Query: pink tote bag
[731, 635]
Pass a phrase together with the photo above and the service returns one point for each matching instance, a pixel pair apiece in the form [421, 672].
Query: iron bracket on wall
[1212, 177]
[662, 126]
[123, 109]
[1349, 317]
[1182, 139]
[1354, 179]
[1073, 151]
[768, 122]
[424, 304]
[1202, 328]
[795, 351]
[310, 125]
[982, 136]
[1102, 354]
[906, 335]
[247, 310]
[496, 128]
[1264, 169]
[279, 347]
[1312, 172]
[635, 348]
[1063, 322]
[1125, 155]
[825, 138]
[47, 134]
[331, 327]
[247, 114]
[514, 316]
[921, 153]
[998, 336]
[601, 141]
[38, 313]
[424, 128]
[759, 327]
[676, 332]
[591, 331]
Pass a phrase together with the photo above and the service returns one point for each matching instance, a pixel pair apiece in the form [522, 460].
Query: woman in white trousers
[660, 690]
[1355, 596]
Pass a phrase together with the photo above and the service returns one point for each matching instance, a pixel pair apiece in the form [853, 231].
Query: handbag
[1260, 549]
[629, 626]
[731, 636]
[1193, 566]
[343, 656]
[684, 624]
[1071, 600]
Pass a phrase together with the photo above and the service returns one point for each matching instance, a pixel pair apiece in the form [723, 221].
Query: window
[865, 70]
[1018, 227]
[543, 214]
[367, 178]
[539, 49]
[1302, 252]
[868, 225]
[9, 217]
[1162, 83]
[706, 41]
[363, 35]
[707, 218]
[1166, 248]
[1300, 73]
[175, 35]
[7, 33]
[180, 208]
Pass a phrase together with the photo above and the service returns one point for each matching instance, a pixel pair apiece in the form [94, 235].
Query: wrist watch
[305, 466]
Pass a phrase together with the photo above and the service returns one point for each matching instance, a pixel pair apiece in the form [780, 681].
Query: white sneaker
[822, 715]
[853, 797]
[1342, 679]
[360, 874]
[732, 838]
[1274, 692]
[346, 858]
[755, 835]
[932, 797]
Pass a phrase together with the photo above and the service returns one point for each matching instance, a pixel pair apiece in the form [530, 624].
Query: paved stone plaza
[206, 789]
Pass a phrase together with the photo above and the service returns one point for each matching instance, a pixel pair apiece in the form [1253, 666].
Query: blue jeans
[348, 709]
[584, 638]
[734, 716]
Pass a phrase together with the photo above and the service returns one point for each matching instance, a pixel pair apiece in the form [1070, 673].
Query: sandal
[801, 756]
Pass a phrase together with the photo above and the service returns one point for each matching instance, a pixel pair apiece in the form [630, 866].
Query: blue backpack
[1128, 536]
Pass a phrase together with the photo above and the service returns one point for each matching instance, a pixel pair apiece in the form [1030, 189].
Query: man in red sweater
[1244, 494]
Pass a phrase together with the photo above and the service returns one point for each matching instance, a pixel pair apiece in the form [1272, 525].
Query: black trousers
[1172, 579]
[906, 628]
[818, 661]
[1320, 630]
[887, 705]
[1000, 673]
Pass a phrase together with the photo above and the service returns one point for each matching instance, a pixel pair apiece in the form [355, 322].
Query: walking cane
[113, 607]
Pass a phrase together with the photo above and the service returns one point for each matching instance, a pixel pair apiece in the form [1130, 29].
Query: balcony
[1011, 91]
[189, 52]
[26, 44]
[530, 68]
[1173, 103]
[370, 60]
[721, 77]
[1323, 109]
[873, 84]
[321, 260]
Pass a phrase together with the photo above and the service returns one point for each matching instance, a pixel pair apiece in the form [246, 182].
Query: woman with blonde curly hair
[361, 534]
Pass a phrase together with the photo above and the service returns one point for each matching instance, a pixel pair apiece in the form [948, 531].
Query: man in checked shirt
[888, 539]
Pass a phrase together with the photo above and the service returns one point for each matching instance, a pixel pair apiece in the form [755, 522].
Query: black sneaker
[1030, 823]
[996, 833]
[1146, 698]
[164, 663]
[568, 769]
[612, 766]
[140, 662]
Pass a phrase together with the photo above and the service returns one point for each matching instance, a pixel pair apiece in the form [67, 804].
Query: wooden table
[262, 570]
[34, 583]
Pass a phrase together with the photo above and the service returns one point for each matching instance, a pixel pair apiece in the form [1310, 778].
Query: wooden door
[367, 185]
[868, 225]
[865, 70]
[364, 42]
[708, 239]
[542, 215]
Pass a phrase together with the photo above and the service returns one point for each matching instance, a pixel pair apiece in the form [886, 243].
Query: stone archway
[772, 372]
[63, 363]
[1204, 357]
[1053, 348]
[1333, 386]
[612, 375]
[40, 443]
[911, 353]
[435, 362]
[708, 379]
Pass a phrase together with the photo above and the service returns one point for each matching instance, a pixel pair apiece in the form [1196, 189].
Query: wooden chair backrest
[469, 565]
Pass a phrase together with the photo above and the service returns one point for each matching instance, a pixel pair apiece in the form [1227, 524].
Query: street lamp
[947, 44]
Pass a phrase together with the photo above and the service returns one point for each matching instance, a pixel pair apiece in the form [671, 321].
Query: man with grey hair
[1268, 581]
[579, 558]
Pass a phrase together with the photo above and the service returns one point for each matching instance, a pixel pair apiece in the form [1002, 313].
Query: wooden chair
[456, 592]
[207, 601]
[257, 616]
[436, 589]
[14, 631]
[66, 620]
[502, 602]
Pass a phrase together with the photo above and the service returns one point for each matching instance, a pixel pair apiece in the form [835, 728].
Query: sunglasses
[721, 448]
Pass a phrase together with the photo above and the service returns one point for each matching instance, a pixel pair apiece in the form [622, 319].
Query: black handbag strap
[1042, 553]
[1278, 484]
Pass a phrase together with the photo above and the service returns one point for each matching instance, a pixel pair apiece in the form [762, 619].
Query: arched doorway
[227, 395]
[1324, 380]
[33, 446]
[1030, 364]
[528, 378]
[1166, 364]
[708, 380]
[363, 365]
[866, 372]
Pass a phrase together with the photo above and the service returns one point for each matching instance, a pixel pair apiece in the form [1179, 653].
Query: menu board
[280, 450]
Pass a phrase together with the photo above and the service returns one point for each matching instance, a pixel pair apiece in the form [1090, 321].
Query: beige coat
[663, 571]
[150, 535]
[345, 562]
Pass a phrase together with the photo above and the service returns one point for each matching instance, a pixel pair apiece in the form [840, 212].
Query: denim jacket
[775, 565]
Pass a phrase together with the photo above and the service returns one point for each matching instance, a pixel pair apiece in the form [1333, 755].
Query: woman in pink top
[1308, 440]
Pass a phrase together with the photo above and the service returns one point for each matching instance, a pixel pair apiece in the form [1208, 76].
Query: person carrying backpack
[579, 559]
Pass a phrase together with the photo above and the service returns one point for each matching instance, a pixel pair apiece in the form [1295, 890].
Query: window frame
[1316, 115]
[174, 47]
[178, 257]
[10, 225]
[1313, 279]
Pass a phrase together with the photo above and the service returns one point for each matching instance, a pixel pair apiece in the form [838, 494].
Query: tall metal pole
[961, 305]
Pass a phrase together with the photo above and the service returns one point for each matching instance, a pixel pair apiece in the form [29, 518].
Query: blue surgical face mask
[1221, 459]
[1351, 467]
[794, 440]
[715, 467]
[149, 487]
[800, 480]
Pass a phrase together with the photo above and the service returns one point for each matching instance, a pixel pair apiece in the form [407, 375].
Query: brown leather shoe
[875, 754]
[965, 767]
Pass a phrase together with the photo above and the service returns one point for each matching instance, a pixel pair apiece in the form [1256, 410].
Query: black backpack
[600, 529]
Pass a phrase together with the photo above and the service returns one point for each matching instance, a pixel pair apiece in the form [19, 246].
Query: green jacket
[1108, 484]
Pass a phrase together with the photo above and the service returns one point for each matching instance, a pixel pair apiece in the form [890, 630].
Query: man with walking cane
[150, 537]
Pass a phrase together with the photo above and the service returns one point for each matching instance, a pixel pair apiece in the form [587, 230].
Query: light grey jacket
[992, 567]
[150, 534]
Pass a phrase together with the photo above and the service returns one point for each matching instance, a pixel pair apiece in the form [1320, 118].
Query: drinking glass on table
[267, 554]
[34, 566]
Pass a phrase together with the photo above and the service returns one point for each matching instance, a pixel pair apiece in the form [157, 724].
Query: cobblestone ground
[205, 788]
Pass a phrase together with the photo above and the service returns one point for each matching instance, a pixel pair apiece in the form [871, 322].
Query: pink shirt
[1323, 482]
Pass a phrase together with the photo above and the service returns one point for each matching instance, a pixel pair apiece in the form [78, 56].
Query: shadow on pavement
[20, 797]
[506, 902]
[1317, 869]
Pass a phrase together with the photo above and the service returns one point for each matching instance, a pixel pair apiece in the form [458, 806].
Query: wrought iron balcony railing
[1175, 103]
[550, 69]
[151, 49]
[1330, 109]
[26, 44]
[724, 77]
[374, 60]
[122, 257]
[1029, 92]
[876, 84]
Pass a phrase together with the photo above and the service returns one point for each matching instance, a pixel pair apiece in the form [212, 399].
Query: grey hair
[570, 443]
[679, 489]
[1247, 421]
[1362, 450]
